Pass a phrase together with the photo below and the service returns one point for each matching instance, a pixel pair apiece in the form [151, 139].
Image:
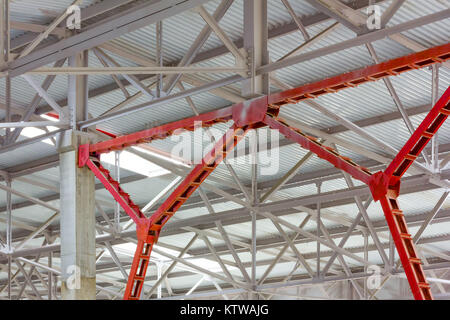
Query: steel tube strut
[262, 112]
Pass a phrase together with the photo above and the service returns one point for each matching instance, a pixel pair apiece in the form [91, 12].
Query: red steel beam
[323, 152]
[427, 129]
[149, 229]
[347, 80]
[381, 181]
[131, 209]
[371, 73]
[404, 243]
[246, 116]
[261, 112]
[161, 132]
[196, 177]
[385, 186]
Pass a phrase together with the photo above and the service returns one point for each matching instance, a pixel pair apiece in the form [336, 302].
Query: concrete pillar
[77, 221]
[77, 199]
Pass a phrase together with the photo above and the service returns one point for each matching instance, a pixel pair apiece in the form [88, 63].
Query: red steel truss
[385, 186]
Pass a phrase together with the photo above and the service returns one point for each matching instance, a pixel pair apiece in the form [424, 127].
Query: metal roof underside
[369, 100]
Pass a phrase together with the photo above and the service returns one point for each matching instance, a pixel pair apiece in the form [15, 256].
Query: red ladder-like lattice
[148, 229]
[263, 111]
[385, 187]
[171, 205]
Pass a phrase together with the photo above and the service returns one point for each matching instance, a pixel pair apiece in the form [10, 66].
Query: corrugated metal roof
[368, 100]
[40, 11]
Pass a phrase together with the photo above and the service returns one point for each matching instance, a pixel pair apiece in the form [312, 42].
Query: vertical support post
[6, 39]
[4, 58]
[366, 257]
[55, 286]
[8, 216]
[9, 232]
[78, 91]
[255, 201]
[50, 276]
[9, 277]
[71, 96]
[159, 56]
[434, 99]
[253, 137]
[7, 105]
[319, 190]
[159, 266]
[255, 43]
[253, 250]
[82, 88]
[77, 192]
[77, 222]
[2, 33]
[117, 176]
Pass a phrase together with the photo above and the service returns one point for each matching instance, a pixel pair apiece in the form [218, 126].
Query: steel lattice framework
[384, 185]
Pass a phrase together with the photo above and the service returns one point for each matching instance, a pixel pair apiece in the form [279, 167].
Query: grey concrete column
[77, 196]
[77, 222]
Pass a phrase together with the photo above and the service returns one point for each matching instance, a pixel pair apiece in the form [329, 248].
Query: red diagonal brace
[272, 102]
[394, 216]
[255, 114]
[196, 177]
[372, 73]
[172, 204]
[161, 132]
[405, 247]
[116, 191]
[420, 138]
[323, 152]
[385, 186]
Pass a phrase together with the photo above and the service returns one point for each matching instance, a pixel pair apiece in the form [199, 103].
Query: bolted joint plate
[379, 183]
[250, 112]
[143, 232]
[83, 155]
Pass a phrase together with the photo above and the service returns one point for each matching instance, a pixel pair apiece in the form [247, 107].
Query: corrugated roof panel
[26, 154]
[368, 100]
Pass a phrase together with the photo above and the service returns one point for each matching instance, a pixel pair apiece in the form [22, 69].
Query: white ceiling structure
[208, 248]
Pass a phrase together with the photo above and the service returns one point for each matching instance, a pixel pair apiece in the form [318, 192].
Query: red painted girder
[323, 152]
[251, 112]
[372, 73]
[343, 81]
[161, 132]
[201, 171]
[134, 214]
[138, 270]
[180, 195]
[405, 247]
[420, 138]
